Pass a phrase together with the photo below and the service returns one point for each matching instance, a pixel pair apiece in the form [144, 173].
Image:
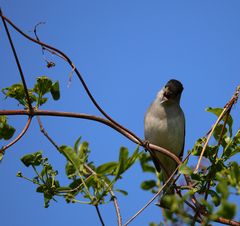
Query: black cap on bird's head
[172, 90]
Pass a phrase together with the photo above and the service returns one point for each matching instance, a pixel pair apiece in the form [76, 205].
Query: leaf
[70, 155]
[43, 85]
[6, 131]
[222, 188]
[55, 90]
[216, 199]
[132, 159]
[123, 157]
[76, 144]
[149, 184]
[227, 210]
[184, 169]
[146, 163]
[217, 112]
[122, 191]
[107, 168]
[34, 159]
[17, 92]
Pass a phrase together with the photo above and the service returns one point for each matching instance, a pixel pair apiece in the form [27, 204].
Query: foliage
[37, 94]
[214, 184]
[88, 184]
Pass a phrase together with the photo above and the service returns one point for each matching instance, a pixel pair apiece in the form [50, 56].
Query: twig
[19, 136]
[17, 62]
[112, 194]
[93, 118]
[227, 107]
[99, 215]
[63, 55]
[153, 198]
[92, 172]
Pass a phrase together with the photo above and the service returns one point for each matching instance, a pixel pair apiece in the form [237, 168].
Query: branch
[66, 58]
[99, 215]
[17, 62]
[226, 109]
[92, 172]
[18, 137]
[93, 118]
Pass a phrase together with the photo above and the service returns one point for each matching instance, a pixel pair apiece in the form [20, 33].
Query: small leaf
[6, 131]
[227, 210]
[107, 168]
[216, 199]
[123, 157]
[55, 91]
[76, 144]
[217, 112]
[132, 159]
[183, 169]
[149, 184]
[70, 155]
[43, 85]
[34, 159]
[122, 191]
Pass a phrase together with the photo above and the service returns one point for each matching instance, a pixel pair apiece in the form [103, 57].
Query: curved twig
[77, 72]
[227, 108]
[19, 136]
[91, 171]
[17, 62]
[93, 118]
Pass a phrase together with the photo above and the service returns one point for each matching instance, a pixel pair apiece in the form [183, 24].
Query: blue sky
[126, 51]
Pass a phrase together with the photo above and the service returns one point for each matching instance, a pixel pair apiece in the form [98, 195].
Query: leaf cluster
[89, 184]
[43, 86]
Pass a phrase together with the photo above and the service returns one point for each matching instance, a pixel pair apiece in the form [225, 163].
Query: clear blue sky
[126, 50]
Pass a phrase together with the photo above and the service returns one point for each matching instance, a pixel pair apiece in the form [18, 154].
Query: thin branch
[18, 137]
[152, 199]
[226, 109]
[115, 201]
[92, 173]
[18, 63]
[78, 74]
[93, 118]
[99, 215]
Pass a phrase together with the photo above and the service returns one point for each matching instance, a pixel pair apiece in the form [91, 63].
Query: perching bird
[164, 126]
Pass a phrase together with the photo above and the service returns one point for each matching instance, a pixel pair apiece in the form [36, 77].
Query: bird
[164, 126]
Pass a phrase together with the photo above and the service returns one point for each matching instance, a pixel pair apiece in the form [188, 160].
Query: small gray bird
[164, 126]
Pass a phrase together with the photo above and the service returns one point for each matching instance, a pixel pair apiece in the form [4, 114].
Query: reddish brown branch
[93, 118]
[77, 72]
[18, 63]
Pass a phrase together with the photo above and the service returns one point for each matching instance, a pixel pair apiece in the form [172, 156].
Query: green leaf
[43, 85]
[227, 210]
[55, 90]
[146, 163]
[149, 184]
[217, 112]
[17, 92]
[216, 199]
[70, 155]
[76, 144]
[107, 168]
[123, 157]
[184, 169]
[222, 188]
[6, 131]
[122, 191]
[34, 159]
[132, 159]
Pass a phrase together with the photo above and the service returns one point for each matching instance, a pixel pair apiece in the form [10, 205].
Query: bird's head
[172, 91]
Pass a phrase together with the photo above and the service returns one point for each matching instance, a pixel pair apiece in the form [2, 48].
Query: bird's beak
[166, 94]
